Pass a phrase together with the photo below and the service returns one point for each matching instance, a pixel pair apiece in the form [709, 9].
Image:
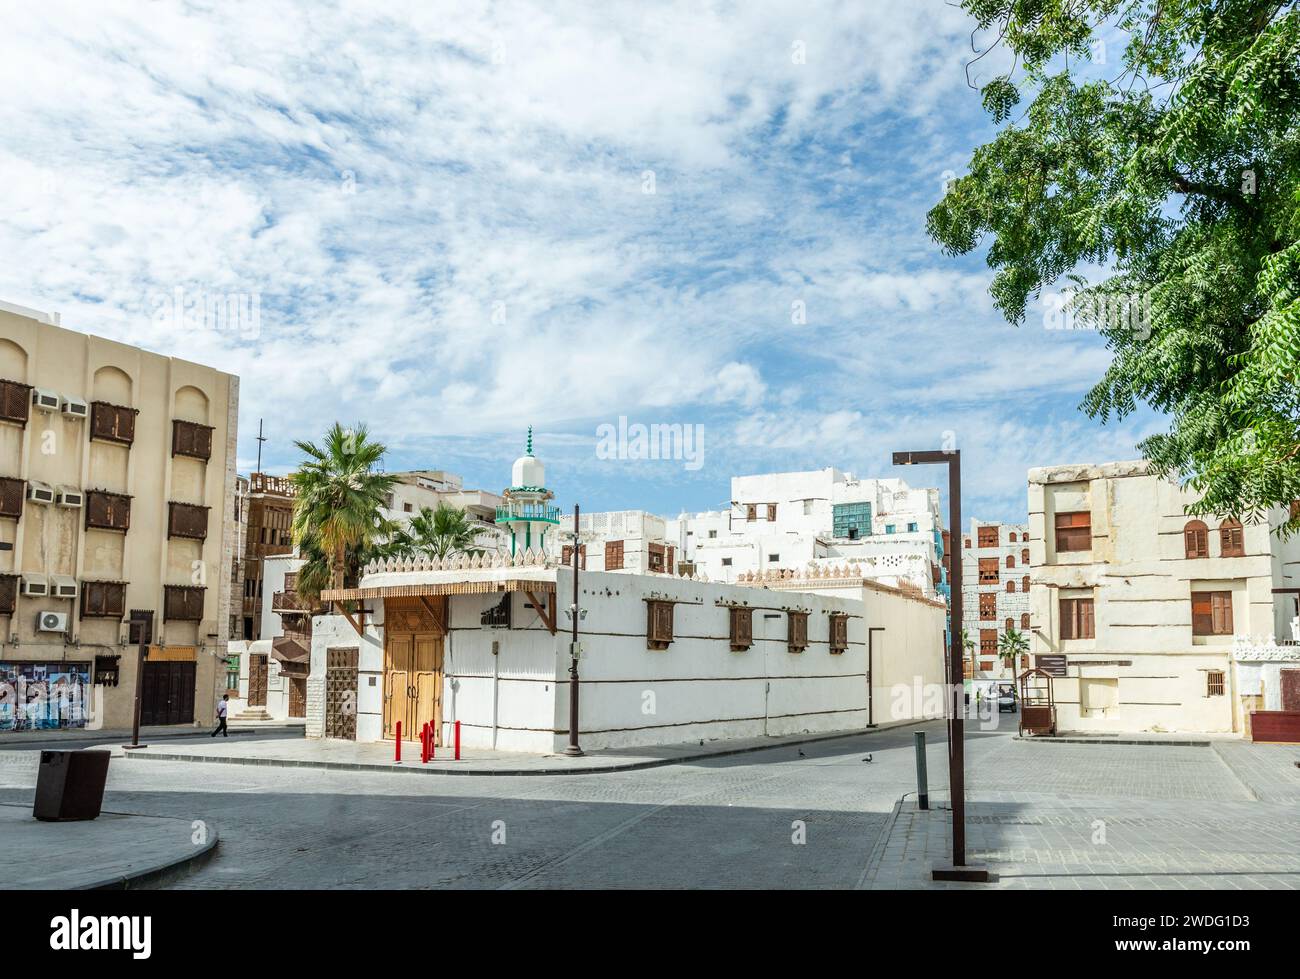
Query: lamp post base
[133, 747]
[573, 751]
[975, 873]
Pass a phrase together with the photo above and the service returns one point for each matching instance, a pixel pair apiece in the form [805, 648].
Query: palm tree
[336, 514]
[1011, 647]
[437, 534]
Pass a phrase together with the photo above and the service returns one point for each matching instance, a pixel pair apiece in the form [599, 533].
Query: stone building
[117, 487]
[995, 594]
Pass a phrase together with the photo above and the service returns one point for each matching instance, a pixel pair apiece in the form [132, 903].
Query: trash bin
[70, 784]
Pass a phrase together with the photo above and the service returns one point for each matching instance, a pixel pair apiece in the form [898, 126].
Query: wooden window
[989, 571]
[1214, 683]
[1196, 540]
[1011, 560]
[183, 603]
[1232, 540]
[191, 439]
[1024, 583]
[1211, 613]
[751, 512]
[1012, 537]
[567, 556]
[107, 511]
[659, 625]
[1024, 556]
[1010, 624]
[987, 536]
[797, 635]
[742, 627]
[839, 633]
[112, 423]
[1077, 619]
[15, 401]
[103, 599]
[657, 554]
[12, 492]
[988, 642]
[967, 541]
[187, 520]
[988, 605]
[1011, 585]
[1074, 531]
[613, 555]
[771, 512]
[8, 593]
[1024, 620]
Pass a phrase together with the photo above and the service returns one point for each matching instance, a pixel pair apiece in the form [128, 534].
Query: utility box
[70, 785]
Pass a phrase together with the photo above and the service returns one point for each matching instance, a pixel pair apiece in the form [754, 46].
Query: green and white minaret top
[524, 509]
[528, 475]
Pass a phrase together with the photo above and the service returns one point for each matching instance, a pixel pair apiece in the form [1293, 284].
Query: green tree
[336, 515]
[436, 533]
[1011, 646]
[1181, 175]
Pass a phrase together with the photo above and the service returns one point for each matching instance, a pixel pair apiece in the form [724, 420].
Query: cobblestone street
[809, 816]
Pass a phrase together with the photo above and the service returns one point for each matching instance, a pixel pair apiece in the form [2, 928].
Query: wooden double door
[167, 696]
[258, 670]
[413, 650]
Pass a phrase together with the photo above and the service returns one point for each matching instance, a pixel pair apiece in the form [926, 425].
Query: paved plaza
[809, 815]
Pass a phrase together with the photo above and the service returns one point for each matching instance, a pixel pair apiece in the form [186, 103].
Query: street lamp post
[959, 870]
[575, 613]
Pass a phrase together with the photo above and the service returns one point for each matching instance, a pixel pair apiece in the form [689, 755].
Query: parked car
[1006, 699]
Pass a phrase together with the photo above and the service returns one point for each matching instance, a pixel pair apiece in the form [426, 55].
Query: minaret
[525, 511]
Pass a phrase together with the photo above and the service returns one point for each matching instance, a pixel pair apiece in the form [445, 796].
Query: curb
[1055, 740]
[589, 770]
[11, 742]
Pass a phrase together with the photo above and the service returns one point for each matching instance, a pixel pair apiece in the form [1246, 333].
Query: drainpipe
[496, 673]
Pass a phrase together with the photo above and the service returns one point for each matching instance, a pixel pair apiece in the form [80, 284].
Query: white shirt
[221, 708]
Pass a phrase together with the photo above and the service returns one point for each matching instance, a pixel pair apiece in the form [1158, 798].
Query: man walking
[221, 716]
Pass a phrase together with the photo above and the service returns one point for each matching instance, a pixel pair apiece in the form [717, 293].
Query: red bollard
[433, 737]
[399, 742]
[458, 740]
[424, 744]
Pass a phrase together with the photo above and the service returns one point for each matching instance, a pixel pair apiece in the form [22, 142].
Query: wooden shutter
[8, 593]
[183, 603]
[988, 605]
[659, 624]
[187, 520]
[1232, 542]
[987, 536]
[988, 642]
[1074, 531]
[771, 512]
[742, 627]
[839, 632]
[751, 512]
[797, 637]
[1221, 612]
[1077, 618]
[107, 511]
[112, 423]
[103, 599]
[1196, 543]
[613, 555]
[12, 492]
[990, 570]
[191, 439]
[15, 401]
[566, 555]
[1202, 616]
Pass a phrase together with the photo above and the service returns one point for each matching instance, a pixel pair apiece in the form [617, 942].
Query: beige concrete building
[117, 479]
[1153, 620]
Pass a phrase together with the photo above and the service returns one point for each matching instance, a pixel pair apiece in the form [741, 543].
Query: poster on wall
[43, 696]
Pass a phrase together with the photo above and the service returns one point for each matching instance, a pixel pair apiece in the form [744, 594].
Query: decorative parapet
[1264, 649]
[531, 558]
[830, 576]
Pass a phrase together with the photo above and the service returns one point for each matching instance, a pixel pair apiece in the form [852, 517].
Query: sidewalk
[11, 740]
[117, 850]
[378, 757]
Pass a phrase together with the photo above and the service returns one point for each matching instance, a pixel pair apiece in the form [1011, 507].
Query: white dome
[528, 471]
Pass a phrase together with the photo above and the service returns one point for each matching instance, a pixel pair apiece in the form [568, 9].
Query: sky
[452, 221]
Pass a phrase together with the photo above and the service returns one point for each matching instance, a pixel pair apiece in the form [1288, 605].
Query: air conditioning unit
[45, 399]
[35, 586]
[63, 586]
[75, 408]
[51, 621]
[70, 497]
[40, 492]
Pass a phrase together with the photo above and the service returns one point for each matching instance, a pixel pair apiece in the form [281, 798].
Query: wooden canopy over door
[414, 629]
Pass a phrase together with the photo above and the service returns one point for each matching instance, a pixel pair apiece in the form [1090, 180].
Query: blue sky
[547, 214]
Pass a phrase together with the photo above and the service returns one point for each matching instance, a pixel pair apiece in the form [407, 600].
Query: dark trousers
[221, 727]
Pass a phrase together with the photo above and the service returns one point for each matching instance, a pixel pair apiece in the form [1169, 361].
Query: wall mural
[43, 696]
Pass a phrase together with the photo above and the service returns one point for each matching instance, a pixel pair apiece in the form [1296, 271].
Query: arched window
[968, 542]
[1024, 583]
[1196, 540]
[1011, 561]
[1011, 585]
[1011, 624]
[1012, 537]
[1024, 620]
[1024, 556]
[1232, 541]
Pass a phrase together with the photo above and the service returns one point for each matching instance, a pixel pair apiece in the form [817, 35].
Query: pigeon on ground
[801, 754]
[867, 759]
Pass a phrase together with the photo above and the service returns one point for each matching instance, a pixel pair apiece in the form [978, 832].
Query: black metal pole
[573, 749]
[957, 763]
[145, 624]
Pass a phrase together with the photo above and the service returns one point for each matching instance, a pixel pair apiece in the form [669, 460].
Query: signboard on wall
[1052, 664]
